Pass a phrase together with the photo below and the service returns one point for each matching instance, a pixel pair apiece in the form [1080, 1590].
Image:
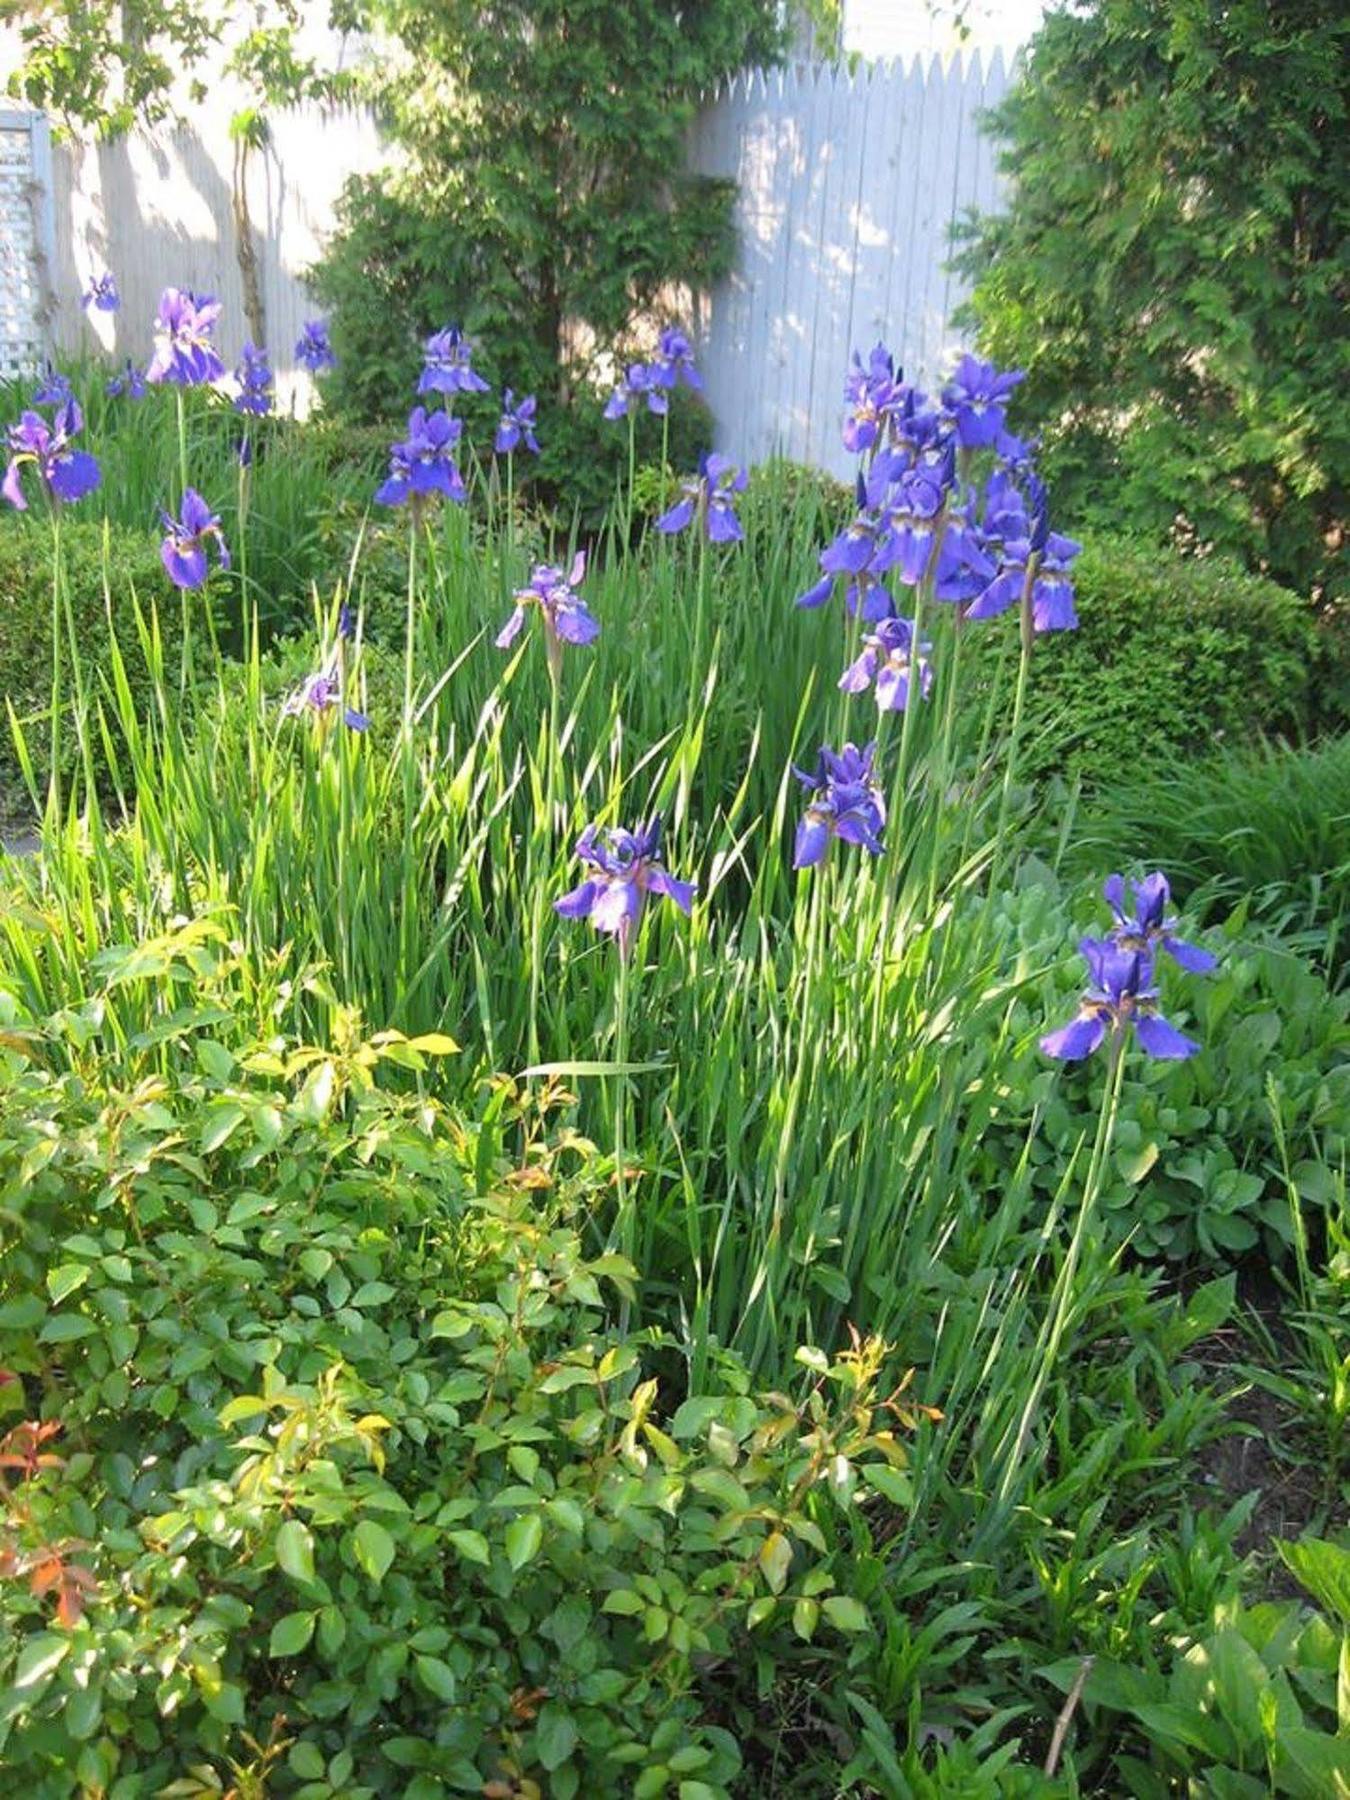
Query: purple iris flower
[313, 351]
[448, 356]
[1121, 995]
[675, 361]
[623, 867]
[845, 802]
[889, 660]
[639, 385]
[346, 622]
[102, 293]
[424, 463]
[254, 376]
[130, 382]
[711, 495]
[320, 696]
[869, 394]
[53, 389]
[964, 565]
[977, 398]
[66, 473]
[1052, 607]
[1148, 927]
[183, 551]
[912, 518]
[516, 425]
[567, 618]
[184, 351]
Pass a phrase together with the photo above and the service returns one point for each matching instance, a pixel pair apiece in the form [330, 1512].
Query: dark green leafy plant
[321, 1452]
[132, 570]
[1172, 270]
[1172, 655]
[542, 201]
[1251, 1708]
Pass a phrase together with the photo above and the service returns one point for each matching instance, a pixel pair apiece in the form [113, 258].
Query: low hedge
[128, 563]
[1176, 655]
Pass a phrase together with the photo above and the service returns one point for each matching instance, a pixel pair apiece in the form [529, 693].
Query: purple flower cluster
[845, 802]
[424, 463]
[889, 662]
[448, 365]
[649, 384]
[567, 618]
[102, 294]
[184, 549]
[254, 378]
[947, 499]
[1122, 995]
[65, 473]
[710, 497]
[638, 386]
[516, 425]
[185, 351]
[622, 869]
[321, 697]
[130, 382]
[313, 351]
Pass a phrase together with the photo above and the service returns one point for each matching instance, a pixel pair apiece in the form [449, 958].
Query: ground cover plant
[574, 1219]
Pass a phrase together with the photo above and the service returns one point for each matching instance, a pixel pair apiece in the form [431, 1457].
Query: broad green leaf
[373, 1549]
[555, 1735]
[472, 1546]
[845, 1613]
[39, 1656]
[295, 1550]
[291, 1634]
[775, 1559]
[523, 1539]
[62, 1282]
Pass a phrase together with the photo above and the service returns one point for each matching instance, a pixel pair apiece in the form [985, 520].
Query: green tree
[541, 197]
[1174, 267]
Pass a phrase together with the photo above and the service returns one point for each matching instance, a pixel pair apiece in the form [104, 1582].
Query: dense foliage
[1176, 655]
[540, 198]
[554, 1242]
[1173, 270]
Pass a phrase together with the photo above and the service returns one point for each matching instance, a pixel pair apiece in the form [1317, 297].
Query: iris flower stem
[244, 471]
[1027, 635]
[623, 1233]
[182, 445]
[632, 476]
[552, 783]
[54, 773]
[1062, 1294]
[763, 1284]
[951, 674]
[409, 647]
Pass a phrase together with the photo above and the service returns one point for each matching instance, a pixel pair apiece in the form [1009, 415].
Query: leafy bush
[133, 571]
[1249, 1709]
[1267, 826]
[325, 1460]
[1171, 270]
[1197, 1169]
[1172, 655]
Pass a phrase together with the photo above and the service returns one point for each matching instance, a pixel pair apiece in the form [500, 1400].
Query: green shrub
[1247, 1709]
[354, 1480]
[133, 572]
[1173, 655]
[1267, 826]
[1197, 1169]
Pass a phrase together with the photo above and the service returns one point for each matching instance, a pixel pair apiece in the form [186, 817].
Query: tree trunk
[244, 248]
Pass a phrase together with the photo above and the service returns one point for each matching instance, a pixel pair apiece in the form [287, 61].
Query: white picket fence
[849, 186]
